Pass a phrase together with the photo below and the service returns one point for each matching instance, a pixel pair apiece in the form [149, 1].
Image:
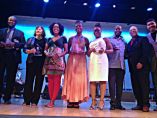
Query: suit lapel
[131, 47]
[135, 43]
[14, 33]
[5, 34]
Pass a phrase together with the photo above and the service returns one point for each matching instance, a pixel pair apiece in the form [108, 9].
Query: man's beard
[118, 34]
[153, 29]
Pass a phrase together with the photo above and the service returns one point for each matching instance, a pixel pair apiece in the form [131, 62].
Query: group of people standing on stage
[107, 63]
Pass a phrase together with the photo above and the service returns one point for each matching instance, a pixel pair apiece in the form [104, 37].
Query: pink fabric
[75, 88]
[54, 86]
[78, 44]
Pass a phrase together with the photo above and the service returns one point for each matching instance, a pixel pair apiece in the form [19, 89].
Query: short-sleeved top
[116, 59]
[59, 42]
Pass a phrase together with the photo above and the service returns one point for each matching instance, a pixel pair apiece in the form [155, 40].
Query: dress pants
[116, 77]
[34, 81]
[154, 79]
[140, 85]
[8, 69]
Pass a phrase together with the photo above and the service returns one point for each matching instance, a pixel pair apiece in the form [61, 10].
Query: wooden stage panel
[60, 110]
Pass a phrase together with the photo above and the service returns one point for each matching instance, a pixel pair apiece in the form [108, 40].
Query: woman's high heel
[101, 105]
[93, 105]
[50, 104]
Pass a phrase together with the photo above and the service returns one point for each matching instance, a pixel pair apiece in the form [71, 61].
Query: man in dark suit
[137, 53]
[152, 37]
[11, 42]
[1, 56]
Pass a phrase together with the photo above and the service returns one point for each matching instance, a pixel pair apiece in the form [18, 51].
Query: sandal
[93, 105]
[50, 104]
[101, 105]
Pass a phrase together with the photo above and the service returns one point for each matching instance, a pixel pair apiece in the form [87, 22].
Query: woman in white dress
[98, 66]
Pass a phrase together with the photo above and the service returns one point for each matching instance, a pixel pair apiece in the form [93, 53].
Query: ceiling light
[132, 8]
[65, 1]
[85, 4]
[97, 5]
[114, 6]
[46, 1]
[149, 9]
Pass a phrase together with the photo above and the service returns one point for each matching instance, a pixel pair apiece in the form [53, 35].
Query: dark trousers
[116, 77]
[154, 78]
[9, 65]
[34, 80]
[140, 85]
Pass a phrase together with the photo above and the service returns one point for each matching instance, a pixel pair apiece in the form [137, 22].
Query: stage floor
[60, 110]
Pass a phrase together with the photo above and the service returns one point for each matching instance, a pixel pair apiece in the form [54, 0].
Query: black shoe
[76, 106]
[25, 104]
[7, 102]
[155, 109]
[70, 105]
[120, 107]
[137, 108]
[112, 107]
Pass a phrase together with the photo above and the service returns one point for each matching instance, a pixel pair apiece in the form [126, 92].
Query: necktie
[132, 41]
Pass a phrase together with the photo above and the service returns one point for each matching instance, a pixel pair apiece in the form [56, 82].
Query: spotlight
[85, 4]
[97, 5]
[149, 9]
[114, 6]
[65, 1]
[46, 1]
[132, 8]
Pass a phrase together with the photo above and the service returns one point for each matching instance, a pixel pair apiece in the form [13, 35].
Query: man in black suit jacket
[11, 42]
[139, 66]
